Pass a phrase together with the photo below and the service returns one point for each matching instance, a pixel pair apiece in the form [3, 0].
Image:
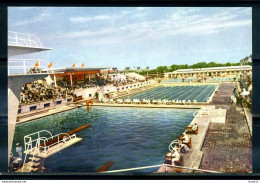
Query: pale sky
[136, 36]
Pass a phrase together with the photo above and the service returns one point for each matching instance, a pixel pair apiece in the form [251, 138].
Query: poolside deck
[194, 157]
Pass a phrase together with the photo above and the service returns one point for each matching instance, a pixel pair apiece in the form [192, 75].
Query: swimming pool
[130, 137]
[189, 92]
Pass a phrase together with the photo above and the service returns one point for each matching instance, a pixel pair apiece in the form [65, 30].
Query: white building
[211, 71]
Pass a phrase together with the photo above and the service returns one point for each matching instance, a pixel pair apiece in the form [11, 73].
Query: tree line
[174, 67]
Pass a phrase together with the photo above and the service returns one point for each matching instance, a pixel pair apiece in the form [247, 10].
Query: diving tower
[19, 74]
[20, 43]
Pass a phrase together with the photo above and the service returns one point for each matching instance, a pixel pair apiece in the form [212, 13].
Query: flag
[82, 64]
[50, 65]
[73, 65]
[37, 64]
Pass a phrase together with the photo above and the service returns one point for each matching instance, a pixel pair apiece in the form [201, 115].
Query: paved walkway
[228, 147]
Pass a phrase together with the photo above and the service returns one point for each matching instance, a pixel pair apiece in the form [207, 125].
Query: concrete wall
[86, 92]
[135, 85]
[14, 89]
[26, 108]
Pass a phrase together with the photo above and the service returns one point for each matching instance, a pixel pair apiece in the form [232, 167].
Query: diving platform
[42, 144]
[38, 152]
[21, 43]
[20, 50]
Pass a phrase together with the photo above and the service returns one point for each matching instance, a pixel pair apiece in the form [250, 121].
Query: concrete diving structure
[18, 44]
[42, 144]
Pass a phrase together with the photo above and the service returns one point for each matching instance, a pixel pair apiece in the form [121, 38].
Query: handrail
[23, 39]
[38, 132]
[153, 166]
[30, 149]
[45, 147]
[18, 66]
[173, 142]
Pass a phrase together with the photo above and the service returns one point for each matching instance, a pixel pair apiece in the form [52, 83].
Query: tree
[228, 64]
[162, 69]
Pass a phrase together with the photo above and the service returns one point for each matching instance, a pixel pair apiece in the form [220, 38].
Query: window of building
[89, 95]
[58, 102]
[117, 89]
[47, 105]
[19, 110]
[69, 99]
[33, 108]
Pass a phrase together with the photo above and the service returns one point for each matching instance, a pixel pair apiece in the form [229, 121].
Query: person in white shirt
[175, 156]
[184, 138]
[19, 152]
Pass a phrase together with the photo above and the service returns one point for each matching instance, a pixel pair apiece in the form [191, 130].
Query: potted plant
[96, 94]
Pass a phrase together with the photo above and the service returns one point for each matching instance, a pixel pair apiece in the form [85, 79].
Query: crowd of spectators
[41, 91]
[124, 79]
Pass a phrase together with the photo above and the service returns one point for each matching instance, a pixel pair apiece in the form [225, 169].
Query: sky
[136, 36]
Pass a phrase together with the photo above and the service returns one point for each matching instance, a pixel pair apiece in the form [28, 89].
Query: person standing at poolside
[19, 152]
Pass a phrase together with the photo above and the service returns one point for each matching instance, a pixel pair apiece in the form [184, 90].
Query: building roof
[212, 68]
[74, 69]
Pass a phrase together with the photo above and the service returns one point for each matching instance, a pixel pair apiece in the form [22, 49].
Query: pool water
[189, 92]
[130, 137]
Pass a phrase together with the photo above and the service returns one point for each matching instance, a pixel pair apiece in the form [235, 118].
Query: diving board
[38, 152]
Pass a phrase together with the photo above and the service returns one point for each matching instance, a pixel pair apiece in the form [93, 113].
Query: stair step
[36, 164]
[35, 169]
[34, 159]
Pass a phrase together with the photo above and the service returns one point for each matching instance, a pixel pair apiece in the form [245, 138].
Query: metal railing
[154, 166]
[40, 140]
[28, 142]
[26, 66]
[65, 137]
[22, 39]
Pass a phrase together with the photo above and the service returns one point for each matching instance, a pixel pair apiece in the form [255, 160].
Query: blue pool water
[131, 137]
[198, 92]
